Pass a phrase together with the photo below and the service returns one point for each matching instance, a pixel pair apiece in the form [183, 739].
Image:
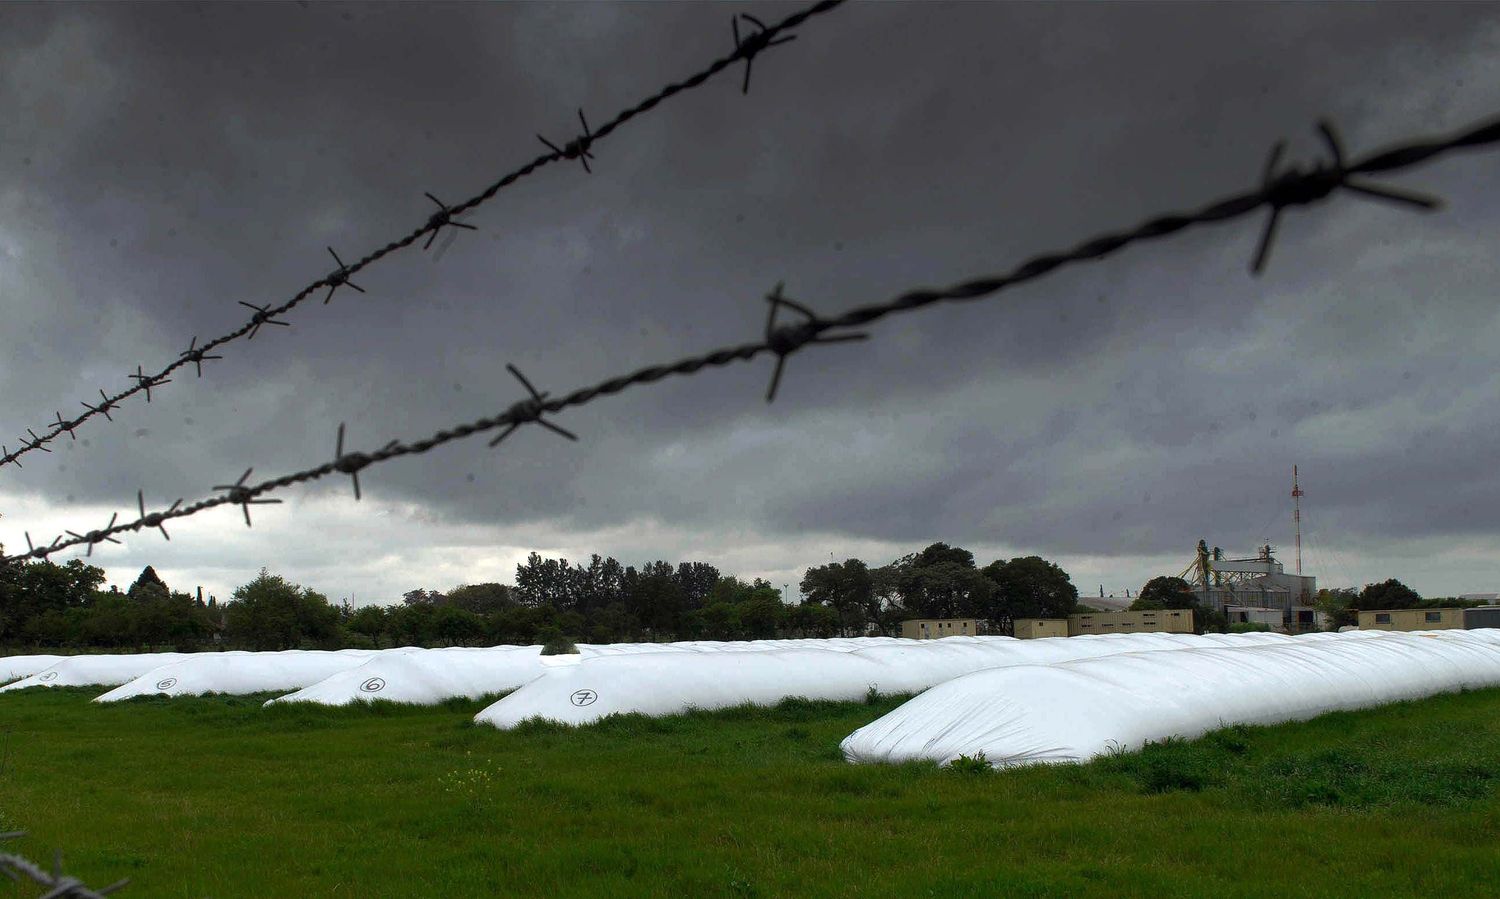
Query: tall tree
[271, 613]
[1029, 587]
[1165, 593]
[421, 597]
[1391, 594]
[696, 580]
[481, 598]
[942, 582]
[848, 589]
[545, 582]
[149, 586]
[369, 621]
[655, 597]
[30, 590]
[761, 614]
[942, 552]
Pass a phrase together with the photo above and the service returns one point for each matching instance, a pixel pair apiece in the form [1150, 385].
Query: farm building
[1031, 628]
[1171, 621]
[1411, 619]
[933, 628]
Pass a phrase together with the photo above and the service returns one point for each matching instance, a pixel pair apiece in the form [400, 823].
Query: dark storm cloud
[177, 159]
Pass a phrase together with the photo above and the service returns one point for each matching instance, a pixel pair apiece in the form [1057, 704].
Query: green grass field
[219, 797]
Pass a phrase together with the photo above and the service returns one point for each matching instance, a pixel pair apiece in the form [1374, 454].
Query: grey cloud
[180, 161]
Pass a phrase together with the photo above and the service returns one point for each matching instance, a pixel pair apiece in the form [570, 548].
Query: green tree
[31, 589]
[171, 620]
[148, 587]
[1165, 593]
[108, 622]
[421, 597]
[717, 621]
[546, 582]
[519, 626]
[613, 624]
[1339, 605]
[270, 613]
[812, 620]
[847, 588]
[481, 599]
[942, 582]
[654, 595]
[456, 627]
[942, 552]
[369, 622]
[1391, 594]
[1028, 587]
[1175, 593]
[890, 606]
[761, 614]
[410, 624]
[696, 580]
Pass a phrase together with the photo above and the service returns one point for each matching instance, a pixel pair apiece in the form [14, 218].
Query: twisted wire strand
[745, 51]
[58, 884]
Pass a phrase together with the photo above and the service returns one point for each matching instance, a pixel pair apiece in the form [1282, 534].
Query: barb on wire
[787, 339]
[65, 426]
[351, 463]
[242, 496]
[580, 148]
[41, 552]
[782, 341]
[754, 43]
[146, 382]
[441, 219]
[339, 278]
[1295, 187]
[577, 148]
[105, 405]
[58, 884]
[193, 354]
[529, 411]
[36, 442]
[155, 519]
[102, 535]
[263, 316]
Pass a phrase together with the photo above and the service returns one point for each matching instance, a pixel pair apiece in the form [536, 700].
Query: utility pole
[1297, 517]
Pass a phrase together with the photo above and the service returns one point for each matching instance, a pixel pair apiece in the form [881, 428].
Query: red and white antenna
[1297, 517]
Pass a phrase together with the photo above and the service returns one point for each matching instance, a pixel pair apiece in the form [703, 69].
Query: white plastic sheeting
[240, 672]
[429, 676]
[832, 644]
[1075, 711]
[15, 667]
[103, 670]
[669, 683]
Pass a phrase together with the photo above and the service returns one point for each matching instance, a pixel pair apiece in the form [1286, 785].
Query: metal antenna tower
[1297, 517]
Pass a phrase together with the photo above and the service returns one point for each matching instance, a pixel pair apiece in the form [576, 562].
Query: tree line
[43, 604]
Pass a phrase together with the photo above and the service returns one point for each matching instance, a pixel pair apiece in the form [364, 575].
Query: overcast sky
[162, 162]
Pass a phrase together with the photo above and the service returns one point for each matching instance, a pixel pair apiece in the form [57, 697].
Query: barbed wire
[1294, 187]
[746, 48]
[58, 884]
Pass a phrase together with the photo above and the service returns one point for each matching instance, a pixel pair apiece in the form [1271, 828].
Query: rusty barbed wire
[58, 884]
[745, 50]
[1295, 187]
